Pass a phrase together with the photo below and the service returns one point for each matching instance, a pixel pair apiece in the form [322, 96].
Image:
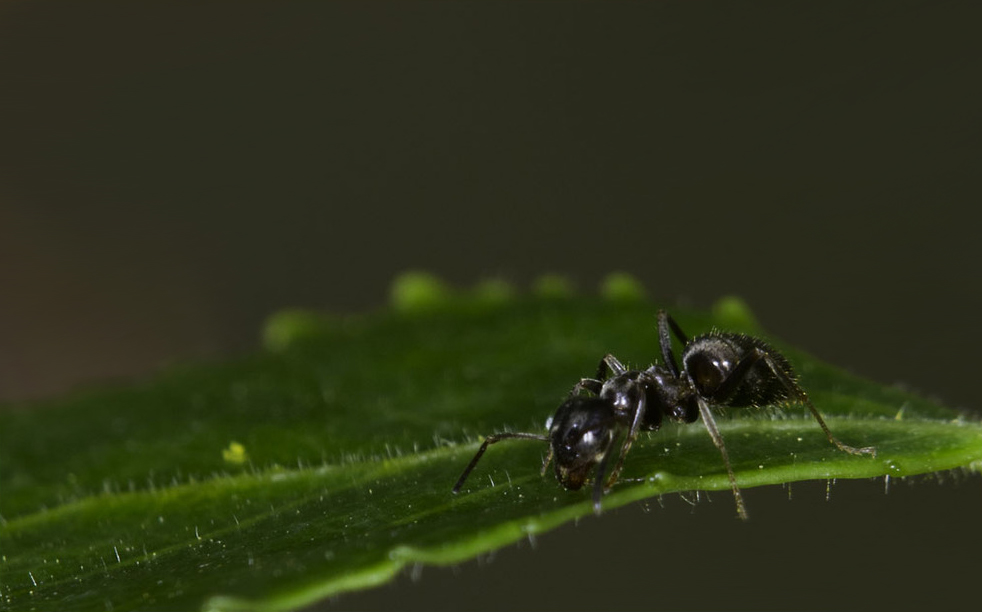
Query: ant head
[581, 433]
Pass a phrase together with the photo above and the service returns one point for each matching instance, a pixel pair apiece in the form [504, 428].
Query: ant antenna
[487, 442]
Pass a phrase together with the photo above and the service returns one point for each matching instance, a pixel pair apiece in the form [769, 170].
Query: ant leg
[590, 384]
[632, 433]
[546, 462]
[616, 368]
[728, 387]
[799, 393]
[710, 423]
[609, 364]
[487, 442]
[665, 321]
[598, 483]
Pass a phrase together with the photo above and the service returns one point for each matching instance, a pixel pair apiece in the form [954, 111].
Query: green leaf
[325, 464]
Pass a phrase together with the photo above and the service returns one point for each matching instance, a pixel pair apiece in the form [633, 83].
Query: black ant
[718, 369]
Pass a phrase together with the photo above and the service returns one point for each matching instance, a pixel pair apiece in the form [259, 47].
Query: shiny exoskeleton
[717, 369]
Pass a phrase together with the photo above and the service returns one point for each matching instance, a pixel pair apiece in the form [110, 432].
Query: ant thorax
[668, 395]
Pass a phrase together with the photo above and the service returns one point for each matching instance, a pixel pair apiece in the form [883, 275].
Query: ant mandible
[718, 369]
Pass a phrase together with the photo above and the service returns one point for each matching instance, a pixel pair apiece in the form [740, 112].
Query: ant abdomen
[737, 370]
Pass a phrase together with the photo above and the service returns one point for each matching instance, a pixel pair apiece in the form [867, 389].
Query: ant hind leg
[798, 393]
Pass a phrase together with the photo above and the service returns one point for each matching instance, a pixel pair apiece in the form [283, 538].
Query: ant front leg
[598, 483]
[590, 384]
[609, 366]
[632, 433]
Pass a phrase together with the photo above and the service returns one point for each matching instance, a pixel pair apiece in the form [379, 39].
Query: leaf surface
[325, 465]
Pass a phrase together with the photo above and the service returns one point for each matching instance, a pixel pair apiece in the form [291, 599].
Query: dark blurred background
[170, 174]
